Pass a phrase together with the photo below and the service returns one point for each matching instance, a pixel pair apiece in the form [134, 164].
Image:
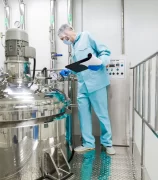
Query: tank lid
[16, 34]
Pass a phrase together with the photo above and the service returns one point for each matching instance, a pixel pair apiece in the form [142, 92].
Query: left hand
[65, 72]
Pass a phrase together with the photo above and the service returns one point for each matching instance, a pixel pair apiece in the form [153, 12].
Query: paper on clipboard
[83, 64]
[93, 61]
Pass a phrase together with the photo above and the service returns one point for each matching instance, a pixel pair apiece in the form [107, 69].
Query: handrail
[139, 81]
[150, 57]
[142, 84]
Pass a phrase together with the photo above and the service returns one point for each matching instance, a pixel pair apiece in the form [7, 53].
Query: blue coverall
[92, 90]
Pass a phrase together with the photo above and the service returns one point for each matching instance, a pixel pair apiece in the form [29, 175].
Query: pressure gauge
[17, 24]
[54, 75]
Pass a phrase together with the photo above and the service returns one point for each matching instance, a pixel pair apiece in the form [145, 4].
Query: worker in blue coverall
[92, 87]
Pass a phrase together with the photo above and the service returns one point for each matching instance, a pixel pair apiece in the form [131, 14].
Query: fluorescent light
[35, 145]
[24, 97]
[22, 106]
[21, 93]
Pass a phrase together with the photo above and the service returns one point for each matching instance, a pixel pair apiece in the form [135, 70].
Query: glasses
[64, 38]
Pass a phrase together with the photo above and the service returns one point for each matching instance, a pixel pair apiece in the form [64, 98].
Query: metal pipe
[70, 21]
[143, 125]
[81, 15]
[7, 17]
[52, 32]
[139, 90]
[123, 26]
[143, 90]
[133, 116]
[69, 121]
[73, 90]
[136, 89]
[149, 90]
[156, 96]
[7, 14]
[143, 151]
[49, 69]
[65, 159]
[22, 8]
[69, 4]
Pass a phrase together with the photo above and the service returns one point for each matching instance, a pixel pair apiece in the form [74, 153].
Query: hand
[65, 72]
[95, 67]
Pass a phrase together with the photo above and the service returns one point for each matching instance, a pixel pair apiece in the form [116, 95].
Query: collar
[77, 38]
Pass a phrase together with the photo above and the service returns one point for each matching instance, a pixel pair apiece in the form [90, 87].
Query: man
[92, 87]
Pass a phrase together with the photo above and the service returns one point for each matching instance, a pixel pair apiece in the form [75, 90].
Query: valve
[55, 55]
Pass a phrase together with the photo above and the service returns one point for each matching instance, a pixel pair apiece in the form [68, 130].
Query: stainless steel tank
[30, 134]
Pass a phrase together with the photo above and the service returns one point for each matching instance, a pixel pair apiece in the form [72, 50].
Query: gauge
[54, 75]
[17, 24]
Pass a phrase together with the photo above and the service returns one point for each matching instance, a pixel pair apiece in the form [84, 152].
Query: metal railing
[145, 100]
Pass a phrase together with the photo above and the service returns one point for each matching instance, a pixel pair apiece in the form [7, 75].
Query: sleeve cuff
[105, 60]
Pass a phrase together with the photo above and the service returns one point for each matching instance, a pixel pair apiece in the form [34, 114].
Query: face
[68, 36]
[64, 37]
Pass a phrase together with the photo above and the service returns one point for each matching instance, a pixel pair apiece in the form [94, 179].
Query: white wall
[61, 19]
[38, 29]
[37, 26]
[102, 21]
[141, 27]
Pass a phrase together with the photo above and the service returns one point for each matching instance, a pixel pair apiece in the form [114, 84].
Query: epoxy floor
[97, 165]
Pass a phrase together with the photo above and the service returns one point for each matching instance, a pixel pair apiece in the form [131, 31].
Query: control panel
[116, 68]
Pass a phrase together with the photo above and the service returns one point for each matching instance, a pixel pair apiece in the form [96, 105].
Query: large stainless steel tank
[29, 135]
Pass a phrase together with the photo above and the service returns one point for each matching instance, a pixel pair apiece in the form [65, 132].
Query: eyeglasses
[64, 38]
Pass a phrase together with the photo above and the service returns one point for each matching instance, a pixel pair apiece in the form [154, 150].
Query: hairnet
[63, 28]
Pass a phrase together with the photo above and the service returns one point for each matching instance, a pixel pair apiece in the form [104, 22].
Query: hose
[61, 92]
[44, 71]
[72, 155]
[34, 71]
[73, 152]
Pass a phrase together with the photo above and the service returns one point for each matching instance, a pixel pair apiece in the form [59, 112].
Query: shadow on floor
[97, 165]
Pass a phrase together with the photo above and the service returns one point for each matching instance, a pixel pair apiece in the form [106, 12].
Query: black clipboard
[77, 66]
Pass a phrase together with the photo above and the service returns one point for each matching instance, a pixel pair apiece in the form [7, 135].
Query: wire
[34, 71]
[2, 40]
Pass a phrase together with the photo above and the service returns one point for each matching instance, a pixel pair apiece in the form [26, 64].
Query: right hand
[95, 68]
[65, 72]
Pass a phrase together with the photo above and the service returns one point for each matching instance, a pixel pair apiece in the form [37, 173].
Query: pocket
[82, 47]
[83, 52]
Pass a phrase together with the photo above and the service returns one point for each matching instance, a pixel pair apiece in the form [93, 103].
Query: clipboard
[77, 66]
